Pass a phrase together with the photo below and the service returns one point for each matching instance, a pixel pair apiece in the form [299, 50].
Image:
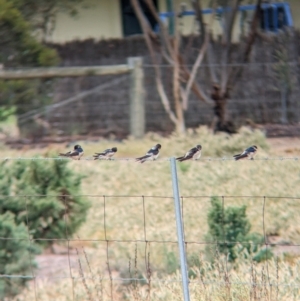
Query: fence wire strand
[143, 200]
[163, 159]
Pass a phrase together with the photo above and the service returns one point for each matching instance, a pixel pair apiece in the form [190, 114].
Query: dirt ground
[285, 145]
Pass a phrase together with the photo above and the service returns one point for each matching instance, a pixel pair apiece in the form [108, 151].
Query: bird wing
[241, 156]
[152, 152]
[192, 152]
[73, 153]
[250, 150]
[144, 157]
[105, 152]
[66, 154]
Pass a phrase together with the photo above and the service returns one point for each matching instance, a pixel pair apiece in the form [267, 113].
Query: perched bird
[194, 153]
[151, 155]
[75, 154]
[107, 154]
[247, 153]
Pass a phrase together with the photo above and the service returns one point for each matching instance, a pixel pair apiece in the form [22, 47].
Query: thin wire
[107, 247]
[147, 242]
[30, 250]
[221, 283]
[292, 63]
[149, 196]
[162, 159]
[265, 238]
[145, 238]
[150, 241]
[68, 243]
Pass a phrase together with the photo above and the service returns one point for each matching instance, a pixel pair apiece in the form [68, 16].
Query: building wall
[255, 96]
[295, 8]
[102, 19]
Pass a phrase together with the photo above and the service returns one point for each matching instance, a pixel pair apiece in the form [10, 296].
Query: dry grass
[270, 281]
[125, 220]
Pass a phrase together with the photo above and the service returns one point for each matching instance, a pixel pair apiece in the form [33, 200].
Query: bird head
[114, 149]
[77, 146]
[199, 147]
[254, 146]
[158, 146]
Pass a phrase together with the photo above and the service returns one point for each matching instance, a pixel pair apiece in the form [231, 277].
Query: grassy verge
[242, 182]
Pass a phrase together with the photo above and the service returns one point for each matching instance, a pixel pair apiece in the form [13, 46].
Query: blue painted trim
[288, 20]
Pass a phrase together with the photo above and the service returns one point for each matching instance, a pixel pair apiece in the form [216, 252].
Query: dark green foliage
[230, 228]
[262, 255]
[42, 14]
[56, 189]
[17, 44]
[14, 255]
[19, 48]
[227, 226]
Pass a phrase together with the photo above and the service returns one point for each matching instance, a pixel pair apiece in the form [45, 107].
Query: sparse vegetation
[124, 219]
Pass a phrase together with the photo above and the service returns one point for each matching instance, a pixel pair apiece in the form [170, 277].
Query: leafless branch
[245, 56]
[176, 76]
[158, 77]
[198, 11]
[164, 33]
[194, 72]
[230, 16]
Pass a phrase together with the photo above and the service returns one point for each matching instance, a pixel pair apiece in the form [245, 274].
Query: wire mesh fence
[131, 250]
[100, 105]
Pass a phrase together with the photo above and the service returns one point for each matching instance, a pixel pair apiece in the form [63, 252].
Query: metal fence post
[180, 237]
[137, 102]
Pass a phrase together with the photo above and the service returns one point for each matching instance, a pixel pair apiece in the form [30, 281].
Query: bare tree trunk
[223, 83]
[180, 126]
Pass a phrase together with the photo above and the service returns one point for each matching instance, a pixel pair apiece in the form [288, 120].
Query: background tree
[58, 206]
[223, 75]
[14, 255]
[166, 48]
[42, 14]
[18, 47]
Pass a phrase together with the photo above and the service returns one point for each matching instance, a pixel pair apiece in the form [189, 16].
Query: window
[130, 22]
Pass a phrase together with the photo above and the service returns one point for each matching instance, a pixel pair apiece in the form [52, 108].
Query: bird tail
[238, 157]
[142, 159]
[180, 159]
[63, 155]
[96, 156]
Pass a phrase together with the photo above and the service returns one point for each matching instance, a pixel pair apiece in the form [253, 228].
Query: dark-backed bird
[247, 153]
[107, 154]
[194, 153]
[75, 154]
[151, 155]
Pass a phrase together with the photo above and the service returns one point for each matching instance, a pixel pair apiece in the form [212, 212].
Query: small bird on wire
[151, 155]
[247, 153]
[194, 153]
[75, 154]
[107, 154]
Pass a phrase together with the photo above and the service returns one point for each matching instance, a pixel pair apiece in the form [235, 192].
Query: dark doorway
[130, 22]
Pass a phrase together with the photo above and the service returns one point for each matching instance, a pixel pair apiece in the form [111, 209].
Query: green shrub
[230, 228]
[49, 191]
[14, 255]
